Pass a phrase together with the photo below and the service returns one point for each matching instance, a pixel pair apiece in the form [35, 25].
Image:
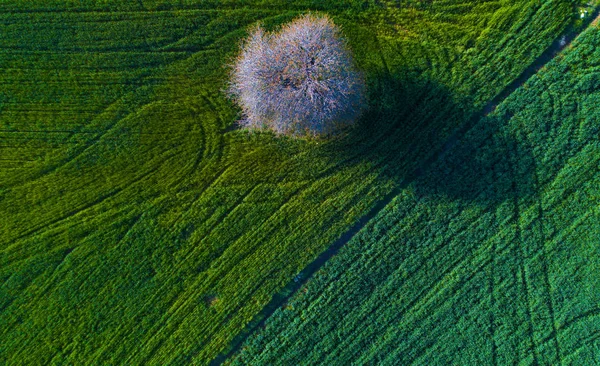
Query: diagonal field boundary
[279, 299]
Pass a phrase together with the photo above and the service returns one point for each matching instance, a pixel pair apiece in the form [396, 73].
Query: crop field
[139, 225]
[490, 258]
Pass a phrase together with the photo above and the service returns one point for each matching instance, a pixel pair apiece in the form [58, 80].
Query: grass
[137, 226]
[488, 258]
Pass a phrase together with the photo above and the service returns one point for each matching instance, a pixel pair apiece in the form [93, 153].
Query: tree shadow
[487, 165]
[417, 131]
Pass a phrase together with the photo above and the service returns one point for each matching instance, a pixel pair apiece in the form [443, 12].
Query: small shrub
[298, 81]
[211, 300]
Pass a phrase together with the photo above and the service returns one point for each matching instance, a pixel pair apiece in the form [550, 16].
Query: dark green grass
[137, 227]
[490, 258]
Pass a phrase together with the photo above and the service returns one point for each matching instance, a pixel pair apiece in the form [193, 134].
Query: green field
[490, 258]
[138, 225]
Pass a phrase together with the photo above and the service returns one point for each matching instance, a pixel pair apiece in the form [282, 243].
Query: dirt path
[279, 299]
